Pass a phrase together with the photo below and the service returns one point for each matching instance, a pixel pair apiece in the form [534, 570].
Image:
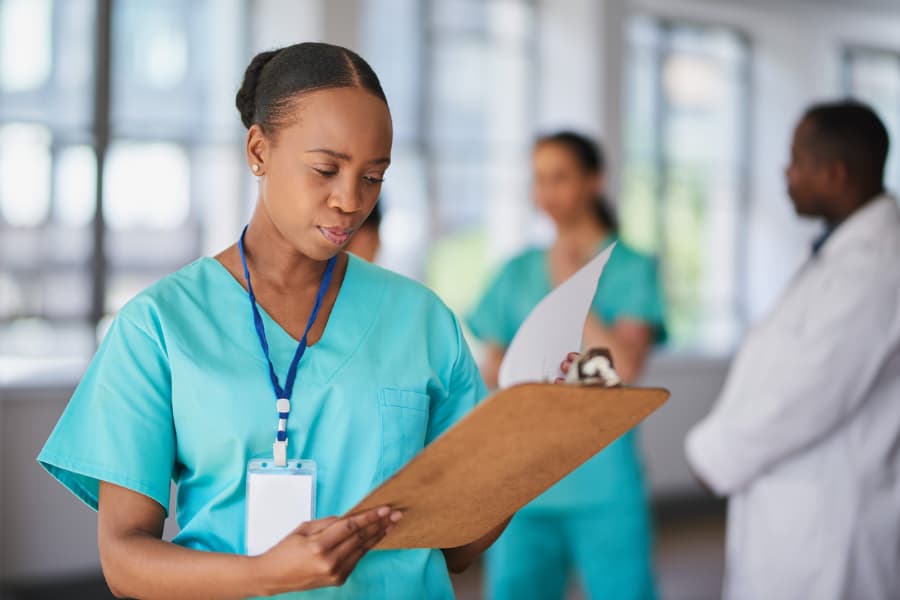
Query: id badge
[278, 500]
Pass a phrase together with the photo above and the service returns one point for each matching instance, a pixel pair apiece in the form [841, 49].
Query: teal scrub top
[179, 390]
[628, 289]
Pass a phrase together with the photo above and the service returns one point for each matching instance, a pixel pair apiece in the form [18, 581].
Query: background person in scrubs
[180, 388]
[595, 521]
[805, 437]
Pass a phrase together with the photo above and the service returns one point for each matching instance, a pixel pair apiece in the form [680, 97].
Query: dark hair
[850, 132]
[276, 77]
[590, 156]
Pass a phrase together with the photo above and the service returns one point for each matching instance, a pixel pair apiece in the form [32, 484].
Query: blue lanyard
[283, 395]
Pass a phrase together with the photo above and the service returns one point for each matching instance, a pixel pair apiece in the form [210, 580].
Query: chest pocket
[404, 424]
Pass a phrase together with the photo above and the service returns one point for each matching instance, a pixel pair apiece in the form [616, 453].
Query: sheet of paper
[553, 329]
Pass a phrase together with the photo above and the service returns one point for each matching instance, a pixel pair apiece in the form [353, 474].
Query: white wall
[44, 529]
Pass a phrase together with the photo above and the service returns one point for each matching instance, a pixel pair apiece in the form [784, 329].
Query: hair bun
[246, 96]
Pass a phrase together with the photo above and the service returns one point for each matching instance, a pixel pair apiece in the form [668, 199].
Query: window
[169, 138]
[873, 76]
[460, 77]
[173, 165]
[684, 182]
[47, 176]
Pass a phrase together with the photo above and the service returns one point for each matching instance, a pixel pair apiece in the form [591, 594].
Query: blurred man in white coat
[805, 438]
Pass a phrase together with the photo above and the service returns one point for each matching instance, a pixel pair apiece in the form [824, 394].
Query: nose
[346, 196]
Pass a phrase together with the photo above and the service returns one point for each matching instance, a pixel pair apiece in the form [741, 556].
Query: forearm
[458, 559]
[138, 565]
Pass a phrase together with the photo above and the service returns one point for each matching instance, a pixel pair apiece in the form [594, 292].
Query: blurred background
[121, 160]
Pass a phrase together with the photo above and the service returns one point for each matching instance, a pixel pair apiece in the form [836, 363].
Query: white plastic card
[278, 500]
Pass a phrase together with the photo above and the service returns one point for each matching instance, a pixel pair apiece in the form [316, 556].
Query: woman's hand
[138, 564]
[324, 552]
[565, 365]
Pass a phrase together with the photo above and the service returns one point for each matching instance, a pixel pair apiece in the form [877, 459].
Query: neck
[274, 261]
[853, 203]
[584, 233]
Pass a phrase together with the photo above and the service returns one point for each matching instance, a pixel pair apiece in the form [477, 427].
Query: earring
[256, 168]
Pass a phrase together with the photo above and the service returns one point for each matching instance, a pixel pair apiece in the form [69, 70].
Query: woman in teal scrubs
[181, 388]
[595, 522]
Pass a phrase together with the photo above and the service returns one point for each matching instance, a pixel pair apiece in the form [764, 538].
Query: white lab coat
[805, 438]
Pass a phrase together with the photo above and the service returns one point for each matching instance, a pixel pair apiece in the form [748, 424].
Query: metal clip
[279, 452]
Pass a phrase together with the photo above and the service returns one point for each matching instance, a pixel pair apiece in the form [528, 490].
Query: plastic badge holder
[278, 500]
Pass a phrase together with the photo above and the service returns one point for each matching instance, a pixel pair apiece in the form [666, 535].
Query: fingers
[314, 527]
[362, 541]
[358, 535]
[565, 365]
[342, 529]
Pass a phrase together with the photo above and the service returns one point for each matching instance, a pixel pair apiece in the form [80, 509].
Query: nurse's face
[321, 172]
[808, 180]
[563, 188]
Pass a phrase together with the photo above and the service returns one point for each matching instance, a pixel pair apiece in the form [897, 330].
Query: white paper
[553, 329]
[276, 505]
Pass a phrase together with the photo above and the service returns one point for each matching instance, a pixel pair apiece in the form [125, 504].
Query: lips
[336, 235]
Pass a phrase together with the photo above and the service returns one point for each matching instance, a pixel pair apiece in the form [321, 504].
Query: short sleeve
[633, 292]
[488, 320]
[118, 426]
[465, 390]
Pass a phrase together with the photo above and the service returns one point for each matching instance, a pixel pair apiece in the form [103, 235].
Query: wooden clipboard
[503, 454]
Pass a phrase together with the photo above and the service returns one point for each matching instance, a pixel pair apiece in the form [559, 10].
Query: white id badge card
[278, 500]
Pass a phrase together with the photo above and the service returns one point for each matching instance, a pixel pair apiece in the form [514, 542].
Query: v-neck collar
[270, 322]
[355, 307]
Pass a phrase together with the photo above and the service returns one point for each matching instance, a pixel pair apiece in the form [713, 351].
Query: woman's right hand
[324, 552]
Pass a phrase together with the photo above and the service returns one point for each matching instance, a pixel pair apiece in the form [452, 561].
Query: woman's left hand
[565, 365]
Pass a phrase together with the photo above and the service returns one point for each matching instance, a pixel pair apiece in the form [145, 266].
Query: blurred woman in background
[596, 521]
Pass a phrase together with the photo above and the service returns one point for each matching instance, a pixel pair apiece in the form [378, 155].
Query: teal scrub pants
[609, 551]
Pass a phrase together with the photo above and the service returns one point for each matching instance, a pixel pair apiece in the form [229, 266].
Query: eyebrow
[343, 156]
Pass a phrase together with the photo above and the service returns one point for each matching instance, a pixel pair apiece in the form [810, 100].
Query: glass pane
[38, 350]
[683, 191]
[25, 44]
[176, 66]
[458, 17]
[66, 294]
[47, 63]
[24, 174]
[147, 186]
[151, 44]
[638, 210]
[458, 93]
[76, 189]
[479, 132]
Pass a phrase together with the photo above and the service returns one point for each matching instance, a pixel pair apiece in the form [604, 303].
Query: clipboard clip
[594, 367]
